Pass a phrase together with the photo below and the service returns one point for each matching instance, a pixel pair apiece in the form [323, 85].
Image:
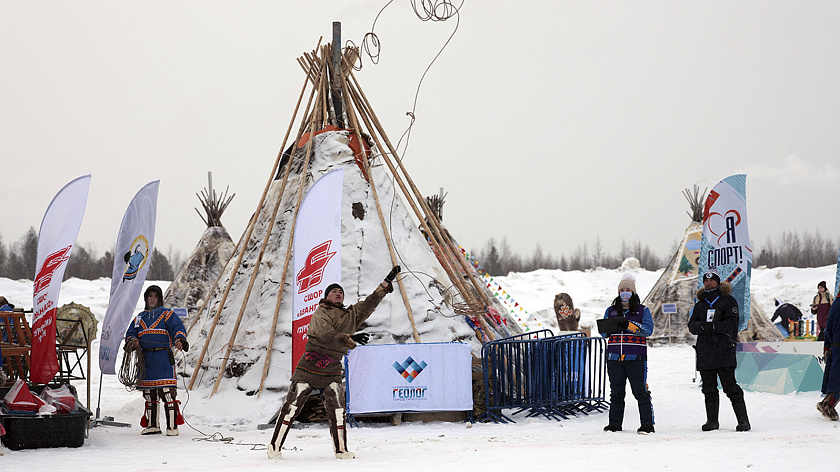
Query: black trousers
[727, 382]
[620, 372]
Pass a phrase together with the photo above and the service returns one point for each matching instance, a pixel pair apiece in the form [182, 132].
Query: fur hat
[712, 274]
[822, 284]
[627, 281]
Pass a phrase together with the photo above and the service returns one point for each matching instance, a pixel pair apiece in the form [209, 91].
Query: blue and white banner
[409, 377]
[135, 242]
[725, 243]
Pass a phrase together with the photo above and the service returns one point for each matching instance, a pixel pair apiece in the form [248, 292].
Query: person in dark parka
[714, 319]
[788, 313]
[831, 351]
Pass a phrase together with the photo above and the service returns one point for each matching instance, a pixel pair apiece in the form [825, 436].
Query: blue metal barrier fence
[542, 374]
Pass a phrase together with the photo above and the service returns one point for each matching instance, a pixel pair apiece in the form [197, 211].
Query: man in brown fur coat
[329, 339]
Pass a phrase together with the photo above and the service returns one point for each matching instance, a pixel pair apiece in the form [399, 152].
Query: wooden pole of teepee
[238, 262]
[367, 114]
[309, 144]
[443, 239]
[357, 128]
[257, 264]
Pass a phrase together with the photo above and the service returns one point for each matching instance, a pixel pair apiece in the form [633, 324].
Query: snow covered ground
[788, 433]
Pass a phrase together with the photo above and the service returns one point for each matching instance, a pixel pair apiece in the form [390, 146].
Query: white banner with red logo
[409, 377]
[725, 244]
[56, 238]
[133, 253]
[317, 251]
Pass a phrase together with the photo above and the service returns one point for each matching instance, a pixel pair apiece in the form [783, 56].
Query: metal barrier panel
[549, 376]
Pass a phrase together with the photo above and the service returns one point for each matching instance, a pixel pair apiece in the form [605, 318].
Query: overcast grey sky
[551, 122]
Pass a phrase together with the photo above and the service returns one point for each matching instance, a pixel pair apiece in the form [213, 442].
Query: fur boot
[149, 422]
[295, 399]
[826, 407]
[172, 412]
[334, 405]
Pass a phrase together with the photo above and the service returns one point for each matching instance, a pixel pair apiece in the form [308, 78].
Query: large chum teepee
[241, 338]
[677, 287]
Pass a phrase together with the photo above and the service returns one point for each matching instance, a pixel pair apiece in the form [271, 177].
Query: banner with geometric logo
[409, 377]
[135, 243]
[317, 253]
[778, 373]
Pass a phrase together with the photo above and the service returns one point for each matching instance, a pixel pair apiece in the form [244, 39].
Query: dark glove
[393, 274]
[127, 256]
[623, 323]
[707, 327]
[361, 338]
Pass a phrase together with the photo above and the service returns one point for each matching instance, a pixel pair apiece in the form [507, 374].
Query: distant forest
[17, 259]
[789, 250]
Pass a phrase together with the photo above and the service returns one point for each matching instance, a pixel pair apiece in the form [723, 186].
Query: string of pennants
[516, 310]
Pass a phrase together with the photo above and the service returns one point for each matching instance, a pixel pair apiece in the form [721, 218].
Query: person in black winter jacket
[787, 313]
[714, 319]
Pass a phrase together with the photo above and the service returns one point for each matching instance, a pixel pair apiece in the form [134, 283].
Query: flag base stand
[108, 420]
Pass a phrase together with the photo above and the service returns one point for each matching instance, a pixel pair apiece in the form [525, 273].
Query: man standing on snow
[328, 340]
[714, 319]
[155, 331]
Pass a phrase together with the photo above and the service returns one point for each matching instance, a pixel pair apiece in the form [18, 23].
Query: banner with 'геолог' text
[409, 377]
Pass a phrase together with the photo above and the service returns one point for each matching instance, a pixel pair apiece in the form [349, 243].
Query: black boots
[712, 408]
[741, 415]
[645, 429]
[612, 427]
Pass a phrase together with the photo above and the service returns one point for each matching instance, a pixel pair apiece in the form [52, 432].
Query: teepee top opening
[695, 203]
[214, 204]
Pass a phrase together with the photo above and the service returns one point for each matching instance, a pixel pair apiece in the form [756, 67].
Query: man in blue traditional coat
[155, 331]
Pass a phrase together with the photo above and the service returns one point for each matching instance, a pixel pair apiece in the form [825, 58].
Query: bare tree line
[792, 250]
[499, 258]
[18, 259]
[789, 250]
